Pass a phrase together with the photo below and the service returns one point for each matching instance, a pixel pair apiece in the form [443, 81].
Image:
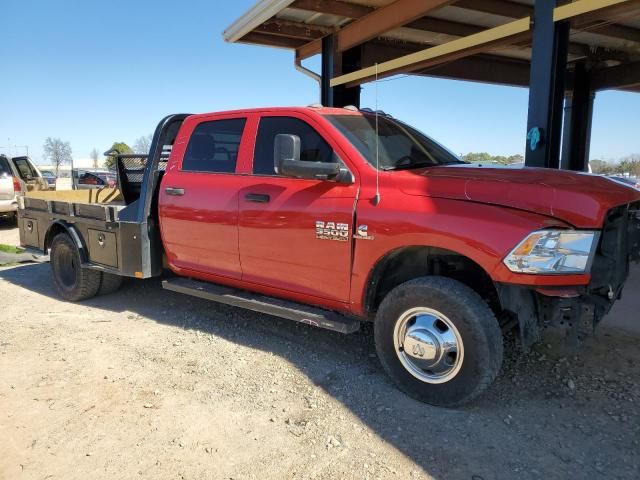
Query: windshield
[400, 147]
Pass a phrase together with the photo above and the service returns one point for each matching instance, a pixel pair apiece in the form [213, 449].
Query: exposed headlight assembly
[548, 252]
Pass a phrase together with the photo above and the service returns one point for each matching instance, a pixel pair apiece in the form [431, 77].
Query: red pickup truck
[332, 217]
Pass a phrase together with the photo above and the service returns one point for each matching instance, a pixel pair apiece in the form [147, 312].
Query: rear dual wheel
[72, 282]
[110, 283]
[438, 340]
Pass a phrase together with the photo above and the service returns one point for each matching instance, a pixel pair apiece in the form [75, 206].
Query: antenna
[376, 199]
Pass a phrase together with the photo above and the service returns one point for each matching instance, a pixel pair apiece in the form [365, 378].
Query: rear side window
[313, 148]
[214, 146]
[5, 169]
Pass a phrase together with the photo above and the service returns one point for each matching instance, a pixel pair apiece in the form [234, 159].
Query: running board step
[297, 312]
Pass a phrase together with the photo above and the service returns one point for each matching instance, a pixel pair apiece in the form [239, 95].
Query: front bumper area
[577, 310]
[573, 310]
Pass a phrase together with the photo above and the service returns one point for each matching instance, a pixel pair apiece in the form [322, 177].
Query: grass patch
[10, 249]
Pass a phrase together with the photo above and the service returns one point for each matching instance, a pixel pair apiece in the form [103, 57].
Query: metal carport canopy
[558, 48]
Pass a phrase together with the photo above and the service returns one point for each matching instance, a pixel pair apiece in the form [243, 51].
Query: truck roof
[316, 109]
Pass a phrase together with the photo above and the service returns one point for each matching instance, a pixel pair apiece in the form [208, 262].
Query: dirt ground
[151, 384]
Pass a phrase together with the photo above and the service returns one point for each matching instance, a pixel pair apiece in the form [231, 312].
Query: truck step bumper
[259, 303]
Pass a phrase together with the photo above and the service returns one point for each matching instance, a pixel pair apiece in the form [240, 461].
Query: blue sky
[95, 72]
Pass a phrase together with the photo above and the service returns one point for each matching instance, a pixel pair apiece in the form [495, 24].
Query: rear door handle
[177, 192]
[257, 198]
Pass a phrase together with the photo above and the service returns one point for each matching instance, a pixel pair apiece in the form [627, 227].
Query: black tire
[72, 282]
[476, 325]
[12, 218]
[110, 283]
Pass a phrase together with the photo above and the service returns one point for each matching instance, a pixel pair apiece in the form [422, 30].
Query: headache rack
[131, 169]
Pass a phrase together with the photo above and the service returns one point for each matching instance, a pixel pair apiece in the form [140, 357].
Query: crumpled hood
[579, 199]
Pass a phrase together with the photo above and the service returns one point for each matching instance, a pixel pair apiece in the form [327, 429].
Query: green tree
[630, 165]
[484, 157]
[624, 166]
[475, 157]
[121, 147]
[602, 167]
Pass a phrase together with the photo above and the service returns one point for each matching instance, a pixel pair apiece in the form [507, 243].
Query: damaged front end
[577, 310]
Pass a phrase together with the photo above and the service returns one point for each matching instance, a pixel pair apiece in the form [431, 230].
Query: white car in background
[17, 176]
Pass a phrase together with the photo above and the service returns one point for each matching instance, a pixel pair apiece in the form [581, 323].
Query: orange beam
[383, 19]
[376, 23]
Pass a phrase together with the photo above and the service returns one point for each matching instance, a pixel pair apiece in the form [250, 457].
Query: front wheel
[438, 340]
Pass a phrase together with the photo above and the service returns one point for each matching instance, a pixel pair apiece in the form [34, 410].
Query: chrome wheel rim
[428, 345]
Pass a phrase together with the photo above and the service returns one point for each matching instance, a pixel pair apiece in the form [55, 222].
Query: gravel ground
[151, 384]
[8, 233]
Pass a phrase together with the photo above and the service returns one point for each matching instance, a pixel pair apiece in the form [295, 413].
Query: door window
[313, 148]
[214, 146]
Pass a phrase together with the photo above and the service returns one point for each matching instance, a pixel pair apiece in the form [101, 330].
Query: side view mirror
[286, 148]
[286, 154]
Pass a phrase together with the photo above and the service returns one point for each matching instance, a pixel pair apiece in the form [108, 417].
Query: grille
[634, 232]
[619, 243]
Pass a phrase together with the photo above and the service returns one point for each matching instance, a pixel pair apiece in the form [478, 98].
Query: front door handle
[177, 192]
[257, 198]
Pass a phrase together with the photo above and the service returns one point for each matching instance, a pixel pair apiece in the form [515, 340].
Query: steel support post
[546, 87]
[578, 115]
[333, 64]
[350, 61]
[328, 71]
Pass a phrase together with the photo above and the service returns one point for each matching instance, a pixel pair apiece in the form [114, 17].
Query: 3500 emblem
[332, 231]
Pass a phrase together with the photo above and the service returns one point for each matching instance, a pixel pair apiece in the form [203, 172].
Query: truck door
[295, 234]
[198, 200]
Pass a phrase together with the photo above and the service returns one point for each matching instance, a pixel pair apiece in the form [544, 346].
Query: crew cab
[333, 217]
